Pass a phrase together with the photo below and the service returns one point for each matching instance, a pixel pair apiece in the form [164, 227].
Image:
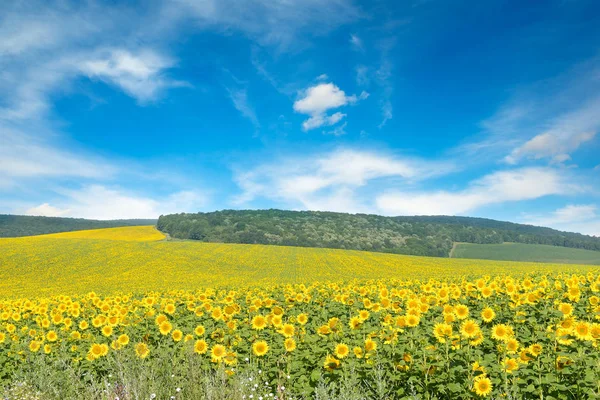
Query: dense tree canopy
[420, 235]
[25, 225]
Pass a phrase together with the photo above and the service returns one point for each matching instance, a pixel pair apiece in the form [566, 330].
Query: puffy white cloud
[46, 210]
[319, 99]
[322, 120]
[553, 145]
[321, 181]
[495, 188]
[140, 74]
[547, 120]
[322, 97]
[581, 218]
[101, 202]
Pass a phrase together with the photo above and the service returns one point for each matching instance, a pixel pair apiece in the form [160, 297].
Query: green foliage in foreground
[129, 378]
[423, 235]
[25, 225]
[526, 252]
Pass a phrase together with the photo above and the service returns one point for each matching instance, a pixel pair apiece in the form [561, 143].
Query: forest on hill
[26, 225]
[417, 235]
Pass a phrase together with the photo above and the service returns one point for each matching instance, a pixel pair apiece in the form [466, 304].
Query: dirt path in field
[453, 248]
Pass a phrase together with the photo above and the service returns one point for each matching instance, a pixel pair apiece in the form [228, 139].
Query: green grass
[526, 252]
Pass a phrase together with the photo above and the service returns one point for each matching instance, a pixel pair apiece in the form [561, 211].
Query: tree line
[25, 225]
[418, 235]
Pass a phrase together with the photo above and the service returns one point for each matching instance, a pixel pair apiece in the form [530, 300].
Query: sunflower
[477, 340]
[501, 332]
[107, 330]
[331, 363]
[260, 348]
[123, 340]
[200, 347]
[512, 346]
[287, 330]
[341, 350]
[324, 330]
[34, 346]
[524, 356]
[355, 322]
[595, 331]
[442, 331]
[160, 318]
[217, 352]
[199, 330]
[566, 309]
[96, 351]
[486, 292]
[165, 327]
[461, 311]
[51, 336]
[177, 335]
[302, 319]
[358, 352]
[482, 386]
[510, 365]
[363, 315]
[469, 329]
[259, 322]
[412, 321]
[142, 350]
[488, 314]
[230, 359]
[289, 344]
[370, 345]
[582, 331]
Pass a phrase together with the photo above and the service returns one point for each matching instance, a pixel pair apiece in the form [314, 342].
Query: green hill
[526, 252]
[419, 235]
[25, 225]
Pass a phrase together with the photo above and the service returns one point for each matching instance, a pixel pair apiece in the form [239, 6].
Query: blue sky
[132, 110]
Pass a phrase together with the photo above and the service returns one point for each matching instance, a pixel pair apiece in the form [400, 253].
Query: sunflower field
[530, 334]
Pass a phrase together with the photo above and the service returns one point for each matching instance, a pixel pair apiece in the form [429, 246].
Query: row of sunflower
[530, 337]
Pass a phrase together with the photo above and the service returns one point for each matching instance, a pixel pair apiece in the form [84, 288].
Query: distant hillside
[526, 252]
[24, 225]
[420, 235]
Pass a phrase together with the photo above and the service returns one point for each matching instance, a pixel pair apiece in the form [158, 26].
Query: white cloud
[23, 156]
[548, 120]
[46, 210]
[101, 202]
[338, 130]
[319, 99]
[495, 188]
[239, 97]
[553, 145]
[362, 75]
[356, 42]
[140, 74]
[322, 120]
[320, 181]
[581, 218]
[386, 112]
[322, 77]
[281, 23]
